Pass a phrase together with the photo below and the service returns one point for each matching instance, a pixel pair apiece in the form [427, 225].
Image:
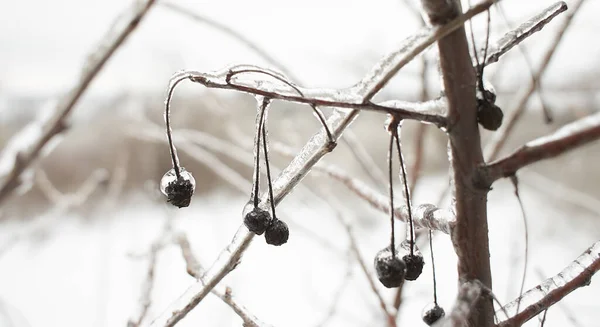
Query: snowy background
[67, 261]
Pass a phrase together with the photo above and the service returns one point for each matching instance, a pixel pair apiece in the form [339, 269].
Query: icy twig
[146, 298]
[525, 30]
[364, 158]
[515, 112]
[566, 138]
[57, 123]
[244, 78]
[194, 269]
[424, 215]
[578, 274]
[337, 297]
[389, 314]
[313, 151]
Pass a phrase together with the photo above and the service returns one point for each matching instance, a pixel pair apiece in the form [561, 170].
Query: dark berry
[257, 220]
[414, 262]
[277, 233]
[179, 190]
[489, 115]
[432, 313]
[390, 269]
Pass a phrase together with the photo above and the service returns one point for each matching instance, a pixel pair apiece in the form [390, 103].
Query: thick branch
[23, 157]
[578, 274]
[470, 232]
[569, 137]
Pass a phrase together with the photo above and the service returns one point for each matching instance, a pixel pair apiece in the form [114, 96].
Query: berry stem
[261, 115]
[391, 189]
[433, 268]
[395, 134]
[263, 128]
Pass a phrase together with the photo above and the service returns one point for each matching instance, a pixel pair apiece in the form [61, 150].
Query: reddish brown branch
[569, 137]
[470, 232]
[578, 274]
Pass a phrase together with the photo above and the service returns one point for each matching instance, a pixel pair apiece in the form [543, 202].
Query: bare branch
[570, 136]
[21, 158]
[391, 316]
[146, 297]
[194, 269]
[313, 151]
[525, 30]
[515, 112]
[578, 274]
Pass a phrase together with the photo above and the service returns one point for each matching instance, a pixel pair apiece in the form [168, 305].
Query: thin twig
[23, 157]
[194, 269]
[515, 112]
[578, 274]
[515, 182]
[146, 297]
[337, 296]
[391, 316]
[314, 150]
[568, 137]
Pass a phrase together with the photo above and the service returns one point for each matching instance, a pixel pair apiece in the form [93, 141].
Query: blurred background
[76, 235]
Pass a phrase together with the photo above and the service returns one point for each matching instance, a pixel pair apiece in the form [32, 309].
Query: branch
[569, 137]
[578, 274]
[515, 112]
[194, 269]
[525, 30]
[470, 232]
[313, 151]
[232, 78]
[21, 152]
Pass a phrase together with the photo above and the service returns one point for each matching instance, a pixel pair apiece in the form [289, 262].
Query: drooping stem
[435, 301]
[259, 123]
[391, 190]
[263, 127]
[178, 78]
[406, 191]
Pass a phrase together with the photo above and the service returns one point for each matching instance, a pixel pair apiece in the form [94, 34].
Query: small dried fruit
[432, 313]
[414, 262]
[277, 233]
[257, 220]
[179, 191]
[390, 269]
[489, 115]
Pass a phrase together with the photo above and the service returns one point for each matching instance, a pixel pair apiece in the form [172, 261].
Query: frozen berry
[277, 233]
[414, 262]
[257, 220]
[390, 269]
[432, 313]
[489, 115]
[179, 191]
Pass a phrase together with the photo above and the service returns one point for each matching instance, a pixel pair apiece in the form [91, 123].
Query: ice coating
[170, 177]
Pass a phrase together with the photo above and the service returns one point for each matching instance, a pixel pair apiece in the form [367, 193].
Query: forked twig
[21, 158]
[578, 274]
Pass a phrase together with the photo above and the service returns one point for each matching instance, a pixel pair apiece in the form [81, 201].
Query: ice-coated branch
[467, 297]
[578, 274]
[194, 269]
[568, 137]
[312, 152]
[244, 78]
[525, 30]
[23, 152]
[499, 138]
[424, 215]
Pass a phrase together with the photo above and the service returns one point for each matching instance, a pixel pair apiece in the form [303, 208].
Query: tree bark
[470, 233]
